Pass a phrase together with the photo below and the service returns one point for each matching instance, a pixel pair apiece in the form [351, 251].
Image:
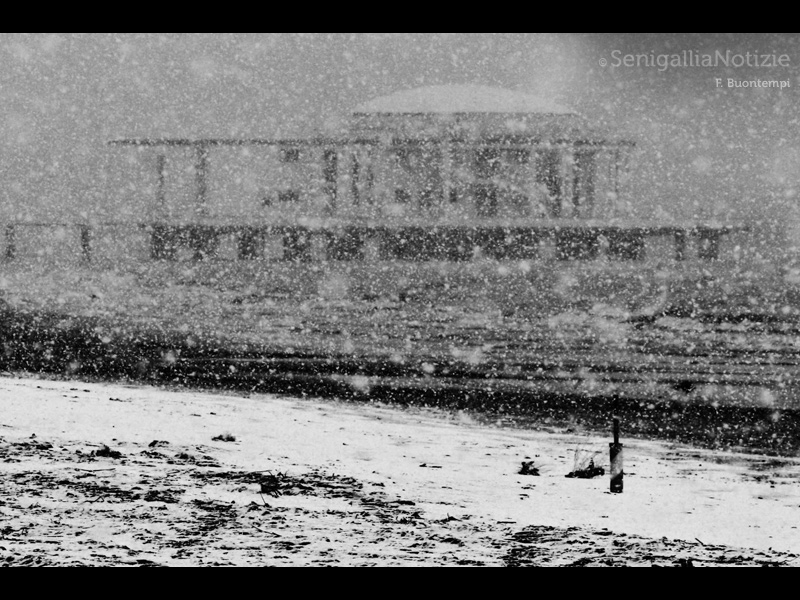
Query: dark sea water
[707, 355]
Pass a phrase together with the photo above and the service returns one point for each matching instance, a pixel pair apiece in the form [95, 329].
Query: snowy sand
[357, 485]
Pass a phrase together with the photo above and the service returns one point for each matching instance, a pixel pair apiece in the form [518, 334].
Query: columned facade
[442, 173]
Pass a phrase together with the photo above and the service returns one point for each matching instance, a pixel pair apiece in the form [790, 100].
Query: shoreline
[362, 485]
[532, 393]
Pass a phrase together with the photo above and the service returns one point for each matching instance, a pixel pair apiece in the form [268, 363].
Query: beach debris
[685, 387]
[225, 437]
[590, 472]
[203, 461]
[158, 444]
[273, 485]
[585, 467]
[164, 496]
[408, 518]
[449, 519]
[106, 452]
[529, 469]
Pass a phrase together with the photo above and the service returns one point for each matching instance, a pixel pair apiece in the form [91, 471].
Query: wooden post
[11, 242]
[161, 188]
[355, 179]
[201, 180]
[617, 463]
[617, 166]
[447, 173]
[86, 243]
[331, 177]
[681, 246]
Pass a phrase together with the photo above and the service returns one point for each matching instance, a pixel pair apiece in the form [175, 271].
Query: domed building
[436, 173]
[505, 168]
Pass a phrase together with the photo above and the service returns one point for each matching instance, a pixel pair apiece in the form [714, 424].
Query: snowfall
[111, 474]
[100, 471]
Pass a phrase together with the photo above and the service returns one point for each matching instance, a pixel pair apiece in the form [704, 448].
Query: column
[681, 246]
[86, 243]
[201, 179]
[11, 242]
[161, 187]
[331, 177]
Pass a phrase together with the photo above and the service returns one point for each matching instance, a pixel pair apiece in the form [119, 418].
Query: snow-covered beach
[357, 485]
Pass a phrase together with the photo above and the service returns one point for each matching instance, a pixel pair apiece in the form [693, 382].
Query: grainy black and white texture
[527, 234]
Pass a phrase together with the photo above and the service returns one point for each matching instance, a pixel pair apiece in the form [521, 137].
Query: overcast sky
[703, 149]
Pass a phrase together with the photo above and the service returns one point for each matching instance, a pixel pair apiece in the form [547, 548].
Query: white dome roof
[459, 99]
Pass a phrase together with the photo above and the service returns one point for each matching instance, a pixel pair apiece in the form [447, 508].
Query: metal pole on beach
[617, 465]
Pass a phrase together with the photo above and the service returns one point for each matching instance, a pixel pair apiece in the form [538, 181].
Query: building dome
[460, 99]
